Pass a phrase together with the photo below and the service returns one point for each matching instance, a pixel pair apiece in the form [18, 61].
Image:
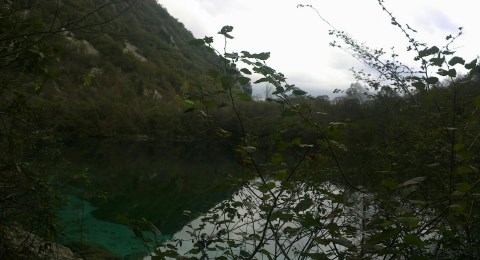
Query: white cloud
[218, 7]
[298, 39]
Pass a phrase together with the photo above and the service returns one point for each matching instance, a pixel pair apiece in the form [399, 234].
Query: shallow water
[134, 180]
[81, 226]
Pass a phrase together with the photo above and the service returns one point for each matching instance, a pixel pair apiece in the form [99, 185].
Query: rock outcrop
[17, 243]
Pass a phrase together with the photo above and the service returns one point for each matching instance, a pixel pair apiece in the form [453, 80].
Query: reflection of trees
[300, 213]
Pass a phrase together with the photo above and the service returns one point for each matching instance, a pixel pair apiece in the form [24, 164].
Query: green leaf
[451, 72]
[387, 234]
[458, 147]
[277, 158]
[265, 187]
[262, 55]
[308, 220]
[322, 241]
[210, 103]
[247, 61]
[414, 240]
[333, 228]
[342, 241]
[432, 80]
[253, 237]
[170, 253]
[189, 103]
[281, 175]
[271, 185]
[465, 156]
[297, 141]
[303, 205]
[419, 85]
[463, 187]
[291, 230]
[409, 221]
[246, 54]
[463, 170]
[225, 30]
[249, 149]
[428, 52]
[233, 55]
[298, 92]
[413, 181]
[437, 61]
[471, 64]
[455, 60]
[458, 207]
[232, 243]
[208, 40]
[246, 71]
[261, 80]
[476, 101]
[287, 185]
[315, 256]
[244, 80]
[279, 90]
[244, 253]
[265, 252]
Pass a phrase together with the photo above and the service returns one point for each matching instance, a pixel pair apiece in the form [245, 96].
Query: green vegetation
[125, 77]
[388, 170]
[402, 163]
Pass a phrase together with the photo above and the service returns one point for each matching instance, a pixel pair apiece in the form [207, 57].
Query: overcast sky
[298, 39]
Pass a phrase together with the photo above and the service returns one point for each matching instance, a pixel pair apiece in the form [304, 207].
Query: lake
[141, 179]
[158, 182]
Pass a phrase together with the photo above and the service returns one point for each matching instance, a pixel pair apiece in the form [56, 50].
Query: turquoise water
[139, 180]
[117, 238]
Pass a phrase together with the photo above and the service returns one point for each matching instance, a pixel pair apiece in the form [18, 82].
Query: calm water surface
[134, 180]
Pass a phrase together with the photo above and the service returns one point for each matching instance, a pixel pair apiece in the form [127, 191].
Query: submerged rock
[17, 243]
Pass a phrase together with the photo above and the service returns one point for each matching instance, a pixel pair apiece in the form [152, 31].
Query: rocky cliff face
[123, 71]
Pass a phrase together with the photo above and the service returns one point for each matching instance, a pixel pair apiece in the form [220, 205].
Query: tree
[413, 196]
[268, 91]
[358, 92]
[28, 195]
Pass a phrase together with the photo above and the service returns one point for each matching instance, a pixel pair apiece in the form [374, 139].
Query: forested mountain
[84, 68]
[122, 70]
[388, 171]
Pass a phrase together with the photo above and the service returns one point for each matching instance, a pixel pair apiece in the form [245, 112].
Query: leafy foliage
[391, 174]
[28, 193]
[405, 157]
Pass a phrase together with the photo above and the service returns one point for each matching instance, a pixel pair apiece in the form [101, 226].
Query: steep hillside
[123, 76]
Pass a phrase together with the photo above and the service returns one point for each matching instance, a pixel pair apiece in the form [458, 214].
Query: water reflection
[151, 180]
[307, 218]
